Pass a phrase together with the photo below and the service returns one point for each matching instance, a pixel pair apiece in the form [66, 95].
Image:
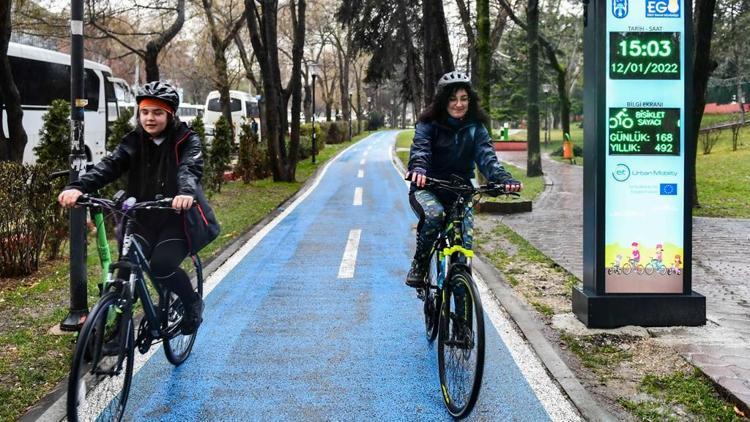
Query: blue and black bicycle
[453, 310]
[103, 360]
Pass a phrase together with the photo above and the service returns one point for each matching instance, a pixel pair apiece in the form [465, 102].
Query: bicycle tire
[177, 347]
[648, 269]
[460, 392]
[432, 300]
[101, 396]
[626, 268]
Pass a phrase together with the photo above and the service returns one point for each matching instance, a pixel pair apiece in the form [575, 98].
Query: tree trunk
[295, 86]
[438, 58]
[150, 61]
[534, 159]
[12, 147]
[329, 110]
[484, 59]
[703, 22]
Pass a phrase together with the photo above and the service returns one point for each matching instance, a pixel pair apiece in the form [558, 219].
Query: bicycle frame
[450, 242]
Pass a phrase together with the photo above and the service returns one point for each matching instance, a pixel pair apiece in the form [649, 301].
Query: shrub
[220, 155]
[375, 120]
[252, 160]
[53, 154]
[53, 150]
[120, 128]
[335, 134]
[27, 208]
[577, 151]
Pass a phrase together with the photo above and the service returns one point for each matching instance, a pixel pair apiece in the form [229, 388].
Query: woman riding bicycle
[450, 137]
[162, 158]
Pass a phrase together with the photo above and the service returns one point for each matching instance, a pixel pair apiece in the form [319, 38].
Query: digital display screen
[644, 55]
[644, 131]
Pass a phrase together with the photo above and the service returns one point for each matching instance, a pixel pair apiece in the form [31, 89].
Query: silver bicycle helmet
[160, 91]
[452, 78]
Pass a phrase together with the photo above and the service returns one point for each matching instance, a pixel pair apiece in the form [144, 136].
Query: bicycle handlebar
[127, 205]
[462, 188]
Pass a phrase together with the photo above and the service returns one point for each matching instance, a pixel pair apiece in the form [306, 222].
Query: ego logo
[621, 173]
[619, 8]
[662, 8]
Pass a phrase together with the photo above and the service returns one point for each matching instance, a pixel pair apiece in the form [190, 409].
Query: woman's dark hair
[438, 109]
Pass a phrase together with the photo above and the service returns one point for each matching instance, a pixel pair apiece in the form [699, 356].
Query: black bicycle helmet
[160, 91]
[451, 78]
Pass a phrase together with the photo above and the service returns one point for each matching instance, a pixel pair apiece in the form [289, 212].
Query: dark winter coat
[176, 172]
[441, 151]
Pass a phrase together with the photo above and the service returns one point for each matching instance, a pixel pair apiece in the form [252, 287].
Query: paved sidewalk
[721, 264]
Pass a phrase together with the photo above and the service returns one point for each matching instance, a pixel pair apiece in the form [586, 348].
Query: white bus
[242, 105]
[188, 112]
[43, 76]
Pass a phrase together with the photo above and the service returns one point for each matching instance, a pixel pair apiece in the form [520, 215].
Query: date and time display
[644, 55]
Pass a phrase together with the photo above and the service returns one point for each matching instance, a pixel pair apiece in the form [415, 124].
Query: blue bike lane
[311, 320]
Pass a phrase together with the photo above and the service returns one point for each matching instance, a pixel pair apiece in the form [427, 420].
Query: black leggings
[165, 249]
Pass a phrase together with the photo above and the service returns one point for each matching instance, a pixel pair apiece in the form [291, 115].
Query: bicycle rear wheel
[432, 300]
[102, 367]
[177, 346]
[461, 344]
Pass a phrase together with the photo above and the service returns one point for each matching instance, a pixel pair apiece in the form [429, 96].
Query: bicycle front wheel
[432, 300]
[177, 346]
[102, 367]
[461, 344]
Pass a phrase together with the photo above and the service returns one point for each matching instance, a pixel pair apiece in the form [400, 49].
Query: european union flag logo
[668, 189]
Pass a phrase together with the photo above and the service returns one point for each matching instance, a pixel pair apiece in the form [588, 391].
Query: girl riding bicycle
[450, 138]
[162, 158]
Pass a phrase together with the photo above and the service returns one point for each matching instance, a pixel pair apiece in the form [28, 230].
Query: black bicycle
[102, 367]
[452, 306]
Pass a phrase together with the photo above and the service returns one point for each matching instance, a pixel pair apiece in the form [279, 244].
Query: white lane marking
[364, 154]
[349, 260]
[360, 173]
[362, 162]
[357, 197]
[556, 405]
[57, 410]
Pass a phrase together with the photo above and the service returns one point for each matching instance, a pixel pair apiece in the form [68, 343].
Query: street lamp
[546, 88]
[314, 70]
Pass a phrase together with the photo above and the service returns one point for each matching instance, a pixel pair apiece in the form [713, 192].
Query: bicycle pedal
[421, 294]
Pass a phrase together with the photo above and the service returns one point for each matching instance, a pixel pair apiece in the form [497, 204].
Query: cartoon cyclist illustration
[636, 254]
[677, 265]
[659, 253]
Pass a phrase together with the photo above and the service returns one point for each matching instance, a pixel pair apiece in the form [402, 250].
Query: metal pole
[78, 295]
[349, 117]
[313, 120]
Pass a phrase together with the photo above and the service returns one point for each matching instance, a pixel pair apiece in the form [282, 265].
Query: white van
[243, 105]
[188, 112]
[43, 76]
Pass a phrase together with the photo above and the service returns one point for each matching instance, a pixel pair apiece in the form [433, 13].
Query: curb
[524, 319]
[52, 401]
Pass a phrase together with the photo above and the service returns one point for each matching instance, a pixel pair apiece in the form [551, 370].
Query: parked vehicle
[188, 112]
[243, 105]
[43, 76]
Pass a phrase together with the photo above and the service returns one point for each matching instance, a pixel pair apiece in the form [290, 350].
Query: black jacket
[440, 151]
[180, 176]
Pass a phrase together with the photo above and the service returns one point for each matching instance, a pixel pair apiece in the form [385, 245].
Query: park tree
[564, 54]
[262, 22]
[390, 33]
[436, 46]
[139, 27]
[222, 29]
[11, 147]
[534, 159]
[703, 23]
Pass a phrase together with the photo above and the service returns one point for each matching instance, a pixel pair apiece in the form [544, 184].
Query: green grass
[403, 140]
[600, 352]
[690, 391]
[724, 178]
[32, 361]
